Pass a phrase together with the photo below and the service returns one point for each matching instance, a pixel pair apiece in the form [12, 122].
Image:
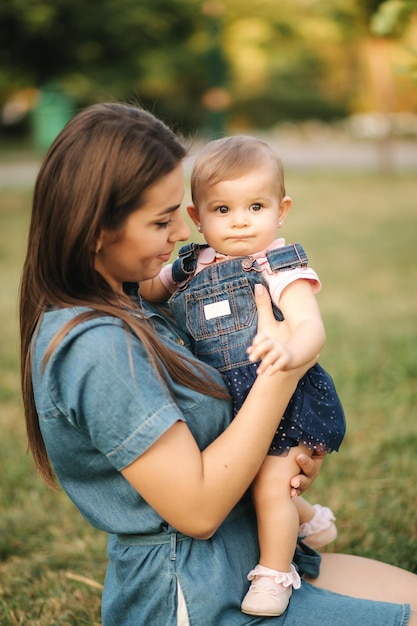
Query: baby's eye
[222, 209]
[255, 207]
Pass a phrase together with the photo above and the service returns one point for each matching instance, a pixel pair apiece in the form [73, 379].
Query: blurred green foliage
[255, 62]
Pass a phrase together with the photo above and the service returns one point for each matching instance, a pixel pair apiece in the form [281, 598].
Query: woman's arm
[195, 490]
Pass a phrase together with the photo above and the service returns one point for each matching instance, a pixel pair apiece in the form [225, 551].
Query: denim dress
[100, 407]
[217, 308]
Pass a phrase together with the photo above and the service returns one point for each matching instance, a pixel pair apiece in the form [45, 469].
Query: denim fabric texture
[217, 307]
[101, 406]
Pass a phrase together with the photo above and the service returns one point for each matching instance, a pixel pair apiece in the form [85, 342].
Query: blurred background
[212, 66]
[333, 87]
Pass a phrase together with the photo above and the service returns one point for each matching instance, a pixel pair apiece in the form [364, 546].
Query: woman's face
[138, 249]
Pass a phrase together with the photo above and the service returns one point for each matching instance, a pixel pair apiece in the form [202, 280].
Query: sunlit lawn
[360, 232]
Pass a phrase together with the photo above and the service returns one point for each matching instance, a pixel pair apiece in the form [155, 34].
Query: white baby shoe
[270, 591]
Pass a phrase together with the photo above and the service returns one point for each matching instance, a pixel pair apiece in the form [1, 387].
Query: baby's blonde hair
[232, 157]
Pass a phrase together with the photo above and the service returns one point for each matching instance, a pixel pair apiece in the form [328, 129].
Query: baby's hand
[270, 344]
[273, 353]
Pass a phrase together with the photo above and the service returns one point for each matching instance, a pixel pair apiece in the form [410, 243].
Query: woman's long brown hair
[93, 176]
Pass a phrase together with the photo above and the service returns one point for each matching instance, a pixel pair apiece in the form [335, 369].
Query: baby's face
[241, 216]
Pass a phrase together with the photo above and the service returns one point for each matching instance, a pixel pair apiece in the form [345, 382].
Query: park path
[296, 153]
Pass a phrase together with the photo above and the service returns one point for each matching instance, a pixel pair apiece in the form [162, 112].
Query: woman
[138, 432]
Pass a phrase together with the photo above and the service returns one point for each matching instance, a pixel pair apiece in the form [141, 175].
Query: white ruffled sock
[286, 579]
[322, 519]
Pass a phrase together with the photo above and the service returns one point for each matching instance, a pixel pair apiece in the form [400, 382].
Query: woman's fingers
[309, 470]
[265, 344]
[263, 302]
[267, 323]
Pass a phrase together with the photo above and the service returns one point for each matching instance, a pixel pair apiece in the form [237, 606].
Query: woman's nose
[181, 231]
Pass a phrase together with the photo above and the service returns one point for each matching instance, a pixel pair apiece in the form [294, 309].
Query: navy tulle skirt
[314, 416]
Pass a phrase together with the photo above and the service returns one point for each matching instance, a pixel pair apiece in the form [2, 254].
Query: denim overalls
[217, 308]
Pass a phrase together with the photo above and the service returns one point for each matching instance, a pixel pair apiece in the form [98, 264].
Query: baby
[239, 203]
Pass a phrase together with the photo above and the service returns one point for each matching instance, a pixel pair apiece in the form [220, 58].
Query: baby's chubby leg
[277, 514]
[274, 578]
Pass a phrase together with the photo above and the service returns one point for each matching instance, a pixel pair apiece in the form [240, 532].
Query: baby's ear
[284, 207]
[193, 213]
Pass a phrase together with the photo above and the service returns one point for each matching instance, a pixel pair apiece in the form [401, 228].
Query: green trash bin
[52, 111]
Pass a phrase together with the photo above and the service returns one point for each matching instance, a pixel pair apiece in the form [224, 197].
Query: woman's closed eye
[164, 224]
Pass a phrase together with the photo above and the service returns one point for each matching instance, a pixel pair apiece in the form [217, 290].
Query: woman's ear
[193, 213]
[284, 207]
[99, 243]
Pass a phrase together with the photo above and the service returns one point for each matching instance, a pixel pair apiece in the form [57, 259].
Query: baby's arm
[305, 329]
[154, 290]
[160, 288]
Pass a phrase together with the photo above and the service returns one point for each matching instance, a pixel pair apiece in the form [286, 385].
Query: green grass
[360, 232]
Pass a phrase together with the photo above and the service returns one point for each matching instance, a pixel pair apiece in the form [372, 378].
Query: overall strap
[284, 258]
[287, 257]
[185, 265]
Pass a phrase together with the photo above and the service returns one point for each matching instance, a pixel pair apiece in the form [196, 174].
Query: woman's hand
[267, 324]
[309, 470]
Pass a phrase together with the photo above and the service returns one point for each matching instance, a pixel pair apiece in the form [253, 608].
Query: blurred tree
[100, 49]
[261, 63]
[287, 62]
[392, 19]
[216, 99]
[378, 48]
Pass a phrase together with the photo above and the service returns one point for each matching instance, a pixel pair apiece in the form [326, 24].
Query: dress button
[180, 341]
[247, 264]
